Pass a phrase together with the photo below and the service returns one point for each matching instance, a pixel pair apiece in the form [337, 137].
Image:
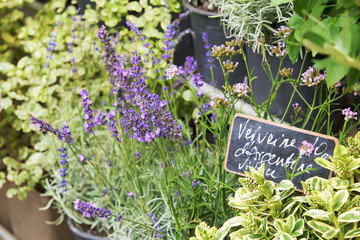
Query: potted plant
[40, 84]
[153, 177]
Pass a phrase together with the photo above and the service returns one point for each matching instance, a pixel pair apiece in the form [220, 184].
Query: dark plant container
[80, 235]
[262, 83]
[201, 21]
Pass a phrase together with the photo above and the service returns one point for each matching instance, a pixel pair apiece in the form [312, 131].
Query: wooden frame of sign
[253, 141]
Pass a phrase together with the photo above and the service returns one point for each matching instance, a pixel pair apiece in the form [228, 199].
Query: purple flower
[63, 134]
[89, 209]
[171, 72]
[284, 31]
[137, 154]
[144, 116]
[240, 90]
[312, 77]
[213, 117]
[349, 114]
[195, 183]
[119, 218]
[131, 194]
[209, 57]
[306, 148]
[64, 163]
[279, 50]
[105, 192]
[112, 126]
[51, 46]
[82, 158]
[157, 225]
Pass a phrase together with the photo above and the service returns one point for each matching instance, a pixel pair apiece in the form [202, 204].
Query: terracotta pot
[28, 222]
[4, 210]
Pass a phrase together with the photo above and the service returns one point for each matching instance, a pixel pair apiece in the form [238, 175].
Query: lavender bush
[149, 162]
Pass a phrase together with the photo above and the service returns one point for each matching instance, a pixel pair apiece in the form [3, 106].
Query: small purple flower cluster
[204, 108]
[112, 126]
[131, 194]
[195, 183]
[51, 46]
[297, 108]
[90, 120]
[171, 72]
[240, 90]
[176, 196]
[89, 209]
[187, 174]
[64, 163]
[166, 163]
[279, 50]
[76, 23]
[306, 148]
[190, 67]
[312, 77]
[137, 154]
[284, 31]
[349, 114]
[209, 57]
[157, 226]
[172, 35]
[82, 158]
[62, 134]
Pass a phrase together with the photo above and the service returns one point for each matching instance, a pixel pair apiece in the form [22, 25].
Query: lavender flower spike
[89, 209]
[62, 134]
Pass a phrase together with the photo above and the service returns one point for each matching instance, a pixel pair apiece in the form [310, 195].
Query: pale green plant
[255, 21]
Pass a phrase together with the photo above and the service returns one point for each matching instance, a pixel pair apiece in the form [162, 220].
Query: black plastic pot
[201, 21]
[80, 235]
[262, 84]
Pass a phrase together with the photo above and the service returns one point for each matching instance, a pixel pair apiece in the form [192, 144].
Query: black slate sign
[254, 141]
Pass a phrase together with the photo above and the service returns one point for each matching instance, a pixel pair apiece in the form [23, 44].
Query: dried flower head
[297, 108]
[219, 101]
[286, 72]
[230, 66]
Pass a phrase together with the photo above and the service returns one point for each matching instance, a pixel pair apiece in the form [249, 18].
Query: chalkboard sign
[254, 141]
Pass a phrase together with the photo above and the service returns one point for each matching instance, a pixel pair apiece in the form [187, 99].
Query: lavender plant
[157, 172]
[56, 62]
